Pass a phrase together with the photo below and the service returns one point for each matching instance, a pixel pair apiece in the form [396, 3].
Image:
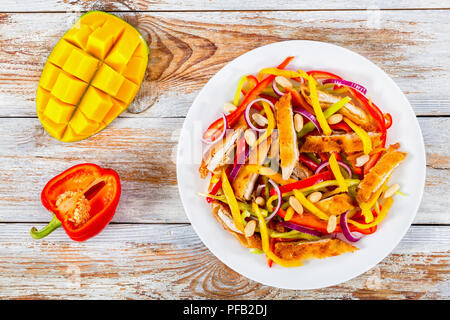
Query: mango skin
[91, 76]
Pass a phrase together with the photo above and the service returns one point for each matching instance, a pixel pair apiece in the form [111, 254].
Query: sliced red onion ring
[309, 116]
[259, 189]
[302, 229]
[238, 165]
[276, 90]
[225, 125]
[247, 113]
[346, 83]
[342, 164]
[346, 230]
[277, 189]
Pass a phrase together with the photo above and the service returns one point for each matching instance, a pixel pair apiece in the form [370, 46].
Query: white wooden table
[150, 251]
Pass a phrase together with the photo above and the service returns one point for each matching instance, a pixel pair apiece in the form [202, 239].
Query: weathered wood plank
[188, 48]
[143, 152]
[169, 261]
[178, 5]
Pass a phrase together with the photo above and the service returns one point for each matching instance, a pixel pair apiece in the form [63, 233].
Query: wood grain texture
[188, 48]
[169, 261]
[143, 152]
[203, 5]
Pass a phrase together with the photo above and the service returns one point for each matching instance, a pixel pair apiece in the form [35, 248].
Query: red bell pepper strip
[388, 118]
[216, 128]
[309, 220]
[299, 101]
[308, 162]
[371, 162]
[319, 74]
[341, 126]
[308, 182]
[83, 199]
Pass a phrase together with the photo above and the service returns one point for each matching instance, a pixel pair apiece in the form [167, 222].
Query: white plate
[410, 174]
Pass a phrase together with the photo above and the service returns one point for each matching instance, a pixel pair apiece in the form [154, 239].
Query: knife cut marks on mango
[91, 76]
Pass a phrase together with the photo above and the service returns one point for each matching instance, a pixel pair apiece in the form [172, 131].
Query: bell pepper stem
[52, 226]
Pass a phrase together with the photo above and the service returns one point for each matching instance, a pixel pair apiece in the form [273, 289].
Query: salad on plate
[298, 164]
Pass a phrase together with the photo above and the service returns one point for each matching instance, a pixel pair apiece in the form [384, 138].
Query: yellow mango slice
[58, 111]
[91, 76]
[68, 88]
[108, 80]
[95, 104]
[42, 97]
[78, 35]
[81, 65]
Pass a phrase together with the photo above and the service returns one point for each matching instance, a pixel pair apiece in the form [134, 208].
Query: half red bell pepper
[83, 199]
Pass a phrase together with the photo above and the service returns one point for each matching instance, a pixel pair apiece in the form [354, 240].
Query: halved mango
[91, 76]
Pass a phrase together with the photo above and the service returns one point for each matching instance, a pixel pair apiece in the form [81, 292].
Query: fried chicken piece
[287, 136]
[336, 204]
[380, 172]
[304, 250]
[222, 213]
[348, 143]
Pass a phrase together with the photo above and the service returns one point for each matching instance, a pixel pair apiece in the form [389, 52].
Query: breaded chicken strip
[286, 135]
[379, 173]
[336, 204]
[222, 213]
[312, 250]
[348, 143]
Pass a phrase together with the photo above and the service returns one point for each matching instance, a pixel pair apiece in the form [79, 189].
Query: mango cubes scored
[91, 76]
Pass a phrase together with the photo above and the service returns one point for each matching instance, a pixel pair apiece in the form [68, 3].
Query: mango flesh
[91, 76]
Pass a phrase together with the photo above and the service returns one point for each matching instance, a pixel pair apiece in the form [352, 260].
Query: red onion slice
[238, 165]
[346, 83]
[225, 125]
[309, 116]
[259, 189]
[346, 230]
[302, 229]
[342, 164]
[276, 90]
[277, 189]
[247, 113]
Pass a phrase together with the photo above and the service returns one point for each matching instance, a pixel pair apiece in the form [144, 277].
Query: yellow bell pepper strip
[237, 95]
[366, 207]
[289, 214]
[232, 202]
[308, 127]
[270, 173]
[384, 210]
[335, 168]
[293, 234]
[310, 206]
[265, 242]
[279, 72]
[317, 109]
[362, 134]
